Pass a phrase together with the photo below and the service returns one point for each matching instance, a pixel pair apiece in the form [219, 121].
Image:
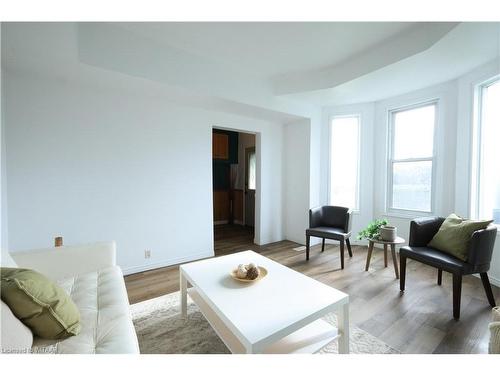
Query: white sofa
[95, 283]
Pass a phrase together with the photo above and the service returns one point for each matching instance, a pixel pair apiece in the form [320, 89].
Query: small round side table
[392, 244]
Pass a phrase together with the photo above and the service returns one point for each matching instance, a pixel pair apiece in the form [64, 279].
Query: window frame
[359, 116]
[476, 140]
[391, 160]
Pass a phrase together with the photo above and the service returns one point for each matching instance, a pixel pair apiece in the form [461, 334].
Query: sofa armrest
[65, 261]
[423, 229]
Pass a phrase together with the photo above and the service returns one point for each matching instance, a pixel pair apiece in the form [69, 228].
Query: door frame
[258, 182]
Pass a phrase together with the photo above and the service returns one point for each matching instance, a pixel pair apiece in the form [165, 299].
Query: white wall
[3, 188]
[4, 240]
[296, 194]
[92, 164]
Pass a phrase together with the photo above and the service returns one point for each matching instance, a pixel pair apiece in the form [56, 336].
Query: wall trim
[166, 263]
[493, 280]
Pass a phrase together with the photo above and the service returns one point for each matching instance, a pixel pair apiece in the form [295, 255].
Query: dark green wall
[220, 168]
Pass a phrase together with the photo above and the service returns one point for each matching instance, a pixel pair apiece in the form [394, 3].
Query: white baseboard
[166, 263]
[493, 280]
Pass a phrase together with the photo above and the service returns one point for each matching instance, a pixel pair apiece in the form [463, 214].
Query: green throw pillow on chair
[40, 304]
[454, 235]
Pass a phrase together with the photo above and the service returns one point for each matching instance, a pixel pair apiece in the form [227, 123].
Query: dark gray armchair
[478, 261]
[330, 222]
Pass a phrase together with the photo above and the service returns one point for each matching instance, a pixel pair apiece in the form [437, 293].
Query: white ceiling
[273, 48]
[462, 49]
[233, 64]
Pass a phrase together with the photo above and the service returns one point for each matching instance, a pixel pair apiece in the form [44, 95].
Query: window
[411, 158]
[486, 162]
[344, 161]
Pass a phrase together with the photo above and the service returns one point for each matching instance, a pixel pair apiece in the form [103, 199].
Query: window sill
[409, 215]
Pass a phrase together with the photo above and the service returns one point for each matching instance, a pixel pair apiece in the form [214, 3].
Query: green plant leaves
[372, 231]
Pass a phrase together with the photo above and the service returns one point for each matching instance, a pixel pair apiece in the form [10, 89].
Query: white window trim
[397, 212]
[357, 209]
[475, 172]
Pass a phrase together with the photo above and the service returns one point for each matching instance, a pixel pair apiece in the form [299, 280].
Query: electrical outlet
[147, 254]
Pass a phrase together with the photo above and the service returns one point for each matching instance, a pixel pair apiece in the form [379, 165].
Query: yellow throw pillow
[40, 304]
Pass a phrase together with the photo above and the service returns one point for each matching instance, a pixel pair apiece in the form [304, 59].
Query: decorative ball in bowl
[248, 273]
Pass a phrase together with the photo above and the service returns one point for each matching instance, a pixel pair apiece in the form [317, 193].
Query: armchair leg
[440, 276]
[342, 254]
[307, 246]
[402, 276]
[487, 288]
[457, 295]
[348, 242]
[323, 245]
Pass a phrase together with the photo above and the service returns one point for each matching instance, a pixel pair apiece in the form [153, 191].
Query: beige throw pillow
[15, 336]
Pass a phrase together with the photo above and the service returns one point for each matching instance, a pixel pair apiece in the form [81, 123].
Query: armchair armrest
[423, 229]
[65, 261]
[315, 215]
[481, 246]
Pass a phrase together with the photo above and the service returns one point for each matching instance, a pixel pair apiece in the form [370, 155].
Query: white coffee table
[278, 314]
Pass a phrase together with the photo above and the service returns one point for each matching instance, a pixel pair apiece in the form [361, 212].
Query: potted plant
[372, 231]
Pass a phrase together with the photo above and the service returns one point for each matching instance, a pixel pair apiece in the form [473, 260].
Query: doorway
[234, 173]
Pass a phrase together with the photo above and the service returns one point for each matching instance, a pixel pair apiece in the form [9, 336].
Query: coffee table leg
[343, 326]
[183, 286]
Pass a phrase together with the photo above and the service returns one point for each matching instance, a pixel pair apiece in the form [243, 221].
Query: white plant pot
[388, 233]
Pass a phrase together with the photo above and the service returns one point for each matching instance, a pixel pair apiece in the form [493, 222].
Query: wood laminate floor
[419, 321]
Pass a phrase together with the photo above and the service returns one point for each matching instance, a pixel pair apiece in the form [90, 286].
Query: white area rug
[161, 330]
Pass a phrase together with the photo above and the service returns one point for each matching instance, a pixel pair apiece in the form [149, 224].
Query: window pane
[251, 170]
[412, 185]
[344, 159]
[489, 183]
[414, 132]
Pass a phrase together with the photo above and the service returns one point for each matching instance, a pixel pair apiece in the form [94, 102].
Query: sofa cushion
[454, 235]
[106, 322]
[39, 303]
[494, 346]
[15, 336]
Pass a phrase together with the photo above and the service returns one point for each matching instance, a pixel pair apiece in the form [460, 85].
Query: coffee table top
[258, 311]
[397, 241]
